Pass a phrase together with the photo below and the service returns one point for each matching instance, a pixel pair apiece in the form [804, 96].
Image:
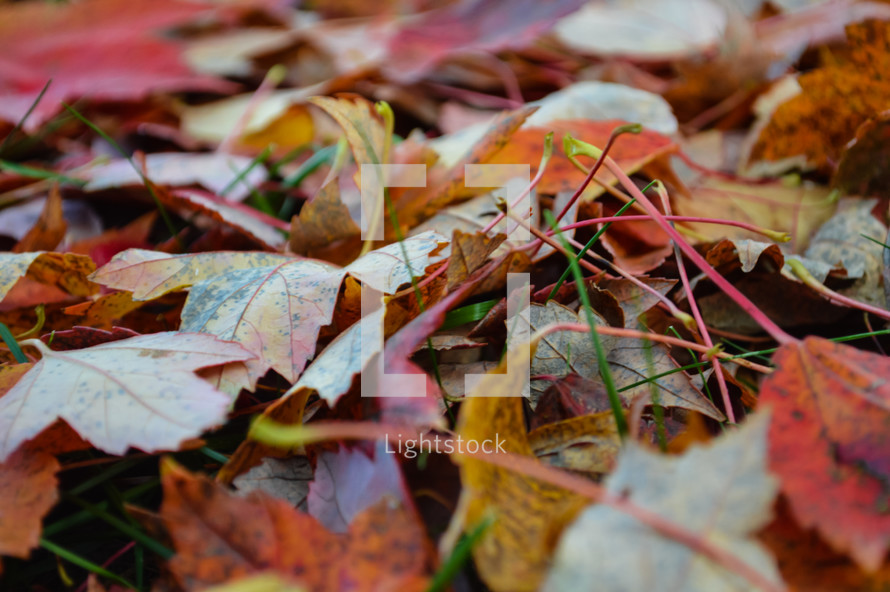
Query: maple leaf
[631, 151]
[721, 492]
[565, 352]
[140, 392]
[829, 442]
[384, 549]
[273, 305]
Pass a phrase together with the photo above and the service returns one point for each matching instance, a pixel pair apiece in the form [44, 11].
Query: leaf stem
[744, 303]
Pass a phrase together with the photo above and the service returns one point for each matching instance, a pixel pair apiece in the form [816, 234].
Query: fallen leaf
[59, 42]
[808, 564]
[630, 363]
[216, 171]
[469, 26]
[841, 242]
[322, 220]
[219, 537]
[864, 161]
[445, 184]
[49, 230]
[828, 443]
[286, 479]
[563, 352]
[721, 492]
[28, 486]
[348, 482]
[588, 443]
[513, 554]
[247, 221]
[631, 151]
[644, 29]
[361, 123]
[102, 392]
[66, 271]
[797, 210]
[598, 101]
[851, 91]
[233, 294]
[213, 122]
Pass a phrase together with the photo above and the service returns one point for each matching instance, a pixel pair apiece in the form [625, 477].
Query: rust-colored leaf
[219, 537]
[27, 492]
[50, 228]
[322, 221]
[834, 101]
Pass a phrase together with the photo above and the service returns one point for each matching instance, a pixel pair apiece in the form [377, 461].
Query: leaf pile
[262, 296]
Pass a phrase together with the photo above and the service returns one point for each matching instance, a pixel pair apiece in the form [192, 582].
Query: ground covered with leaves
[444, 295]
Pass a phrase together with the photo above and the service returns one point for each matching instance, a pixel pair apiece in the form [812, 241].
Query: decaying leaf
[287, 479]
[588, 443]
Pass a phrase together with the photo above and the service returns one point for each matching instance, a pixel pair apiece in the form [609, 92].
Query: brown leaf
[218, 537]
[27, 493]
[50, 228]
[865, 161]
[468, 253]
[588, 443]
[323, 220]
